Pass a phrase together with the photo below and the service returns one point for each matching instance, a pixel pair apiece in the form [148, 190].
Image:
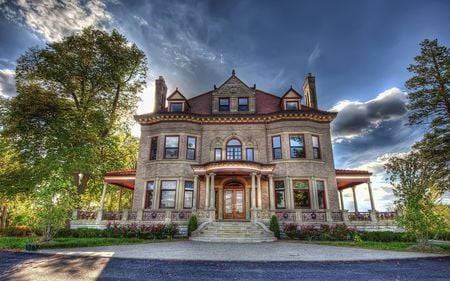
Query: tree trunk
[3, 215]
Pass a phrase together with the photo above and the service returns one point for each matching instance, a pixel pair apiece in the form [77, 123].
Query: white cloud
[53, 19]
[140, 20]
[7, 83]
[315, 54]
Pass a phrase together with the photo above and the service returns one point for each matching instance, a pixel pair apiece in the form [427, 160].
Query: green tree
[414, 181]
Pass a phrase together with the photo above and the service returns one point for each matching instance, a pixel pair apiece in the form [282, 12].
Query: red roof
[347, 172]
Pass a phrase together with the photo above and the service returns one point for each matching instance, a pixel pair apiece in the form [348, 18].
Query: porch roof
[349, 178]
[121, 178]
[233, 166]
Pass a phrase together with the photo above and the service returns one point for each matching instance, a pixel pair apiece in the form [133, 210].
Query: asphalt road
[30, 266]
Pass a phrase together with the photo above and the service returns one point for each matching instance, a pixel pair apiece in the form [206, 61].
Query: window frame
[292, 102]
[167, 190]
[253, 153]
[234, 147]
[319, 152]
[147, 194]
[227, 106]
[306, 190]
[153, 148]
[277, 190]
[274, 148]
[175, 103]
[166, 148]
[290, 146]
[191, 191]
[324, 200]
[215, 154]
[190, 149]
[246, 106]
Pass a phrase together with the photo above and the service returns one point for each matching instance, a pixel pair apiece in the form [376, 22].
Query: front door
[233, 203]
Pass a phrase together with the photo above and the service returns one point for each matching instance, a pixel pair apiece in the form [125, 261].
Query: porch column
[253, 200]
[372, 203]
[102, 200]
[213, 193]
[354, 199]
[120, 199]
[194, 200]
[271, 193]
[342, 200]
[207, 192]
[156, 194]
[258, 178]
[220, 213]
[288, 190]
[179, 194]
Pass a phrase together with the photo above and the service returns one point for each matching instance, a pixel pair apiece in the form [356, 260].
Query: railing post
[75, 214]
[298, 216]
[345, 216]
[168, 217]
[125, 215]
[373, 215]
[139, 214]
[99, 218]
[328, 215]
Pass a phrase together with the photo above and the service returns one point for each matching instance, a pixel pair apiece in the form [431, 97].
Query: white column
[194, 199]
[258, 180]
[314, 199]
[213, 193]
[342, 199]
[288, 193]
[102, 199]
[179, 194]
[156, 193]
[354, 199]
[372, 203]
[207, 192]
[271, 193]
[253, 199]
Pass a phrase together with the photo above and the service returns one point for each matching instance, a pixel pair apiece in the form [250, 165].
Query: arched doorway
[233, 201]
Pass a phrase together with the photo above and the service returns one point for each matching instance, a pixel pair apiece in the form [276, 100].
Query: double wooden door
[233, 203]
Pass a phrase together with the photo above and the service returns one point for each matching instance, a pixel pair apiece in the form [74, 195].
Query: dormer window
[224, 104]
[176, 107]
[292, 105]
[243, 104]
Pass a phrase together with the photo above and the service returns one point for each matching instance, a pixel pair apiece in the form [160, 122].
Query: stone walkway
[276, 251]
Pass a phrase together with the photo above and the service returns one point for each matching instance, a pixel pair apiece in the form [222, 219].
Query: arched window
[234, 150]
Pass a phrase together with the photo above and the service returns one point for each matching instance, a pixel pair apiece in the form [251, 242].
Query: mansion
[234, 156]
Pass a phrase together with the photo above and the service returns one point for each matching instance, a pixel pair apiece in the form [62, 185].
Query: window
[279, 195]
[188, 194]
[168, 190]
[234, 150]
[191, 148]
[176, 107]
[292, 105]
[276, 147]
[316, 147]
[301, 194]
[171, 147]
[224, 104]
[250, 156]
[153, 147]
[149, 194]
[320, 185]
[243, 104]
[218, 154]
[297, 144]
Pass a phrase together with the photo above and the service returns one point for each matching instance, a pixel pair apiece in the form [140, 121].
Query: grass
[19, 243]
[390, 246]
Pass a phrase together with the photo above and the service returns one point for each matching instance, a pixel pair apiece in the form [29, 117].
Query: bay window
[297, 145]
[168, 190]
[171, 147]
[188, 194]
[279, 195]
[276, 147]
[301, 194]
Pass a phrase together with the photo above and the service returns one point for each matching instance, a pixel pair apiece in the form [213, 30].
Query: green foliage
[338, 232]
[192, 225]
[384, 236]
[275, 226]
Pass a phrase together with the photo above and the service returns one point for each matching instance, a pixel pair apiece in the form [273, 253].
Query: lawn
[20, 242]
[390, 246]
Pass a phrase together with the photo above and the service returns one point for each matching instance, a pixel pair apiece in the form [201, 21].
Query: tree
[429, 103]
[74, 105]
[414, 181]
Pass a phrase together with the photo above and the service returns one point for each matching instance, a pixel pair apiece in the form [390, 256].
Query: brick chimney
[160, 94]
[309, 89]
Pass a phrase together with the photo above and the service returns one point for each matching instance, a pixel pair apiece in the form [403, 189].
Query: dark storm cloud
[7, 83]
[357, 118]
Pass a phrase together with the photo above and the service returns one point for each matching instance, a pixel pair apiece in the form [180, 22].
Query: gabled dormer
[291, 100]
[177, 102]
[234, 97]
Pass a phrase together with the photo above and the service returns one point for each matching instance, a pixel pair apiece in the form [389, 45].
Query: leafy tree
[415, 187]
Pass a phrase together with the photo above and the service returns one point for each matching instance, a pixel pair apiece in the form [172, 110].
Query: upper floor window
[168, 190]
[153, 148]
[191, 148]
[276, 147]
[301, 194]
[316, 147]
[176, 107]
[234, 150]
[149, 194]
[188, 194]
[250, 154]
[243, 104]
[279, 195]
[224, 104]
[320, 185]
[297, 144]
[218, 154]
[292, 105]
[171, 147]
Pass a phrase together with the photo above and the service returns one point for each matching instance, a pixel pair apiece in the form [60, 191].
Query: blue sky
[358, 51]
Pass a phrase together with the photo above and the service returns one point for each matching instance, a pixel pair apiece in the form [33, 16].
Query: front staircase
[235, 232]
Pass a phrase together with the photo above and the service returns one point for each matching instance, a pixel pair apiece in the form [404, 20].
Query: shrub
[384, 236]
[18, 231]
[171, 230]
[192, 225]
[290, 229]
[275, 226]
[308, 232]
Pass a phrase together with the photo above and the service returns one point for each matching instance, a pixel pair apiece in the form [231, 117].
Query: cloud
[357, 118]
[315, 54]
[7, 83]
[53, 19]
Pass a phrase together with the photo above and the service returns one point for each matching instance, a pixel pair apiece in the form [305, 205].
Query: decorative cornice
[233, 166]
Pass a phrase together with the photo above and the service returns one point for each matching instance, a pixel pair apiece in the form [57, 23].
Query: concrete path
[276, 251]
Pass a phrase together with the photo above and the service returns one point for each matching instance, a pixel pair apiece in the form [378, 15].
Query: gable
[176, 96]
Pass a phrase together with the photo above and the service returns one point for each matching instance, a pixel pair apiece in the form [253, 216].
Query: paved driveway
[276, 251]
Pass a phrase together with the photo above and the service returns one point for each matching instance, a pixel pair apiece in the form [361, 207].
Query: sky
[358, 50]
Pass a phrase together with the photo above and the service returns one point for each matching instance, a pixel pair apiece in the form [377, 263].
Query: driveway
[276, 251]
